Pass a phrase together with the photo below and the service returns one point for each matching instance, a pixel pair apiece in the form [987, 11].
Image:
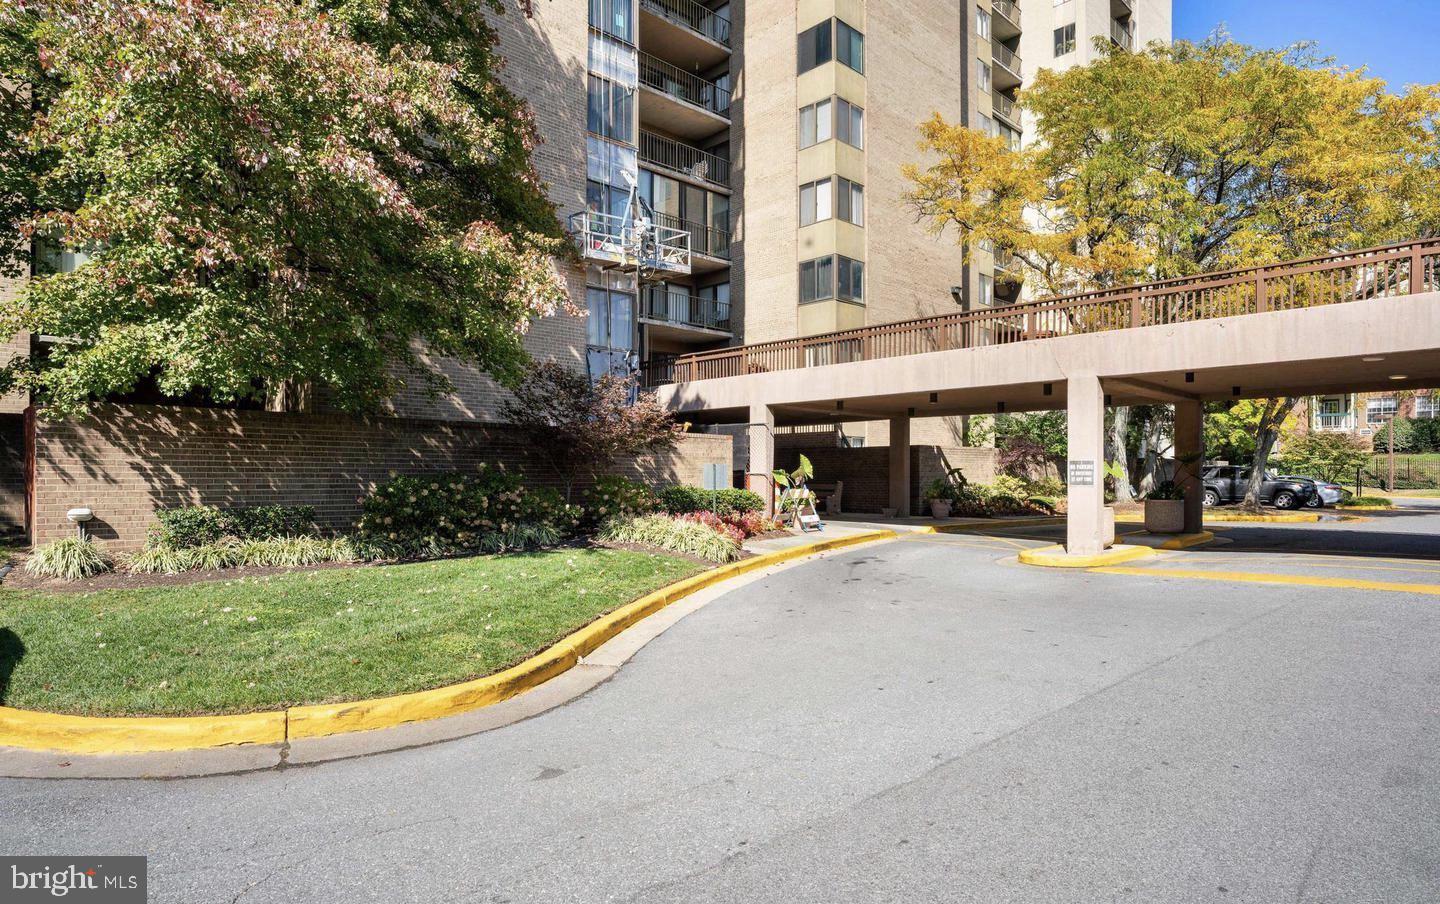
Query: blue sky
[1389, 36]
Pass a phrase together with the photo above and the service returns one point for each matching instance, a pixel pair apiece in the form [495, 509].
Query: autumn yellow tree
[1184, 158]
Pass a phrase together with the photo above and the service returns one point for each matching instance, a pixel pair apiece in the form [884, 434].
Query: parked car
[1226, 484]
[1326, 493]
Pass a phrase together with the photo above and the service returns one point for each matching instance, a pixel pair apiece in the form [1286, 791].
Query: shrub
[273, 552]
[681, 500]
[443, 514]
[72, 558]
[1048, 487]
[158, 559]
[204, 525]
[716, 523]
[618, 497]
[1368, 501]
[674, 534]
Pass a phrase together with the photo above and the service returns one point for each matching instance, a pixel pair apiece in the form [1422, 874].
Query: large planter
[1165, 516]
[940, 508]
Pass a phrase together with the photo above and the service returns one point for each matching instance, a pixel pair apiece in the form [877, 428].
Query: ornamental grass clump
[71, 559]
[675, 534]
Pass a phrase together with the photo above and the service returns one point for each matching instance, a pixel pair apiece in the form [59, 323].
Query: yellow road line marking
[1358, 562]
[1252, 577]
[937, 540]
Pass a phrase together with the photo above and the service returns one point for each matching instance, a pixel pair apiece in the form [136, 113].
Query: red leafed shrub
[719, 525]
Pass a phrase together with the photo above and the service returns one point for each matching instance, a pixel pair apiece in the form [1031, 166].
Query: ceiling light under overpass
[1373, 358]
[1399, 377]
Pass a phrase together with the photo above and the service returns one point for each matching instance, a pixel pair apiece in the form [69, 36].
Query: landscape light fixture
[79, 516]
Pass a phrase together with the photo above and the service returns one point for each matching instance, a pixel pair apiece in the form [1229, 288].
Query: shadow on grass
[12, 650]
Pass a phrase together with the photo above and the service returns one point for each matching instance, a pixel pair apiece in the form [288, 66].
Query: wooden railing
[1404, 269]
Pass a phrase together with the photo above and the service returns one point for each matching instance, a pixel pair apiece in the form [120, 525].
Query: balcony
[684, 160]
[681, 102]
[709, 246]
[674, 306]
[628, 245]
[1008, 71]
[1328, 420]
[1119, 9]
[1005, 109]
[1005, 23]
[684, 30]
[1122, 34]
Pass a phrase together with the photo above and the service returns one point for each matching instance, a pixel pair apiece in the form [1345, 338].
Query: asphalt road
[914, 721]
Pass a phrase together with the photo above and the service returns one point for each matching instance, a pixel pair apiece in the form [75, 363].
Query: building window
[610, 331]
[1012, 137]
[833, 117]
[988, 126]
[849, 123]
[987, 290]
[1065, 39]
[982, 23]
[816, 202]
[1379, 410]
[849, 47]
[814, 46]
[816, 123]
[849, 279]
[1333, 413]
[982, 72]
[832, 276]
[611, 110]
[850, 198]
[1428, 405]
[614, 18]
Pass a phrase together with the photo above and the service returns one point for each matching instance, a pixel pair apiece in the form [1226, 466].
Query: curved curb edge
[1057, 557]
[56, 733]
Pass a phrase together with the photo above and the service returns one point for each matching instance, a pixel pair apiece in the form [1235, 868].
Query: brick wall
[125, 462]
[866, 471]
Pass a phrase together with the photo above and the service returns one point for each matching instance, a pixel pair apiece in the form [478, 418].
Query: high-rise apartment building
[741, 161]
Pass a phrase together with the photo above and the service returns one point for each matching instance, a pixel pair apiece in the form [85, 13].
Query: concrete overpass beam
[1190, 461]
[1086, 524]
[759, 474]
[900, 465]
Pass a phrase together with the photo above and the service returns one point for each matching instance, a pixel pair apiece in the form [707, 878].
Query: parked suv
[1326, 493]
[1226, 484]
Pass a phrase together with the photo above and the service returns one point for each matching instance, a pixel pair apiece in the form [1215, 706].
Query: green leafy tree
[1185, 158]
[1329, 456]
[276, 196]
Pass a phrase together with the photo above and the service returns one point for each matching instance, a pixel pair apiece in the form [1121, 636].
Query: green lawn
[307, 637]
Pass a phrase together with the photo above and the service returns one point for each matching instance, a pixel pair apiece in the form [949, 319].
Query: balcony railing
[1007, 58]
[1122, 35]
[706, 240]
[684, 86]
[1007, 9]
[1005, 107]
[674, 305]
[1395, 270]
[1335, 421]
[669, 154]
[692, 15]
[620, 240]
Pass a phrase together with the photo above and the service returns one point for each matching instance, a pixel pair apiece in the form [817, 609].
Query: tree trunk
[1150, 452]
[1119, 434]
[1266, 432]
[291, 396]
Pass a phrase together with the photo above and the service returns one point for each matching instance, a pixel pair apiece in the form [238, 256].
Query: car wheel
[1315, 502]
[1212, 498]
[1286, 500]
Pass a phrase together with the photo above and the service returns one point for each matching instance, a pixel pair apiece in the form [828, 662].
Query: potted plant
[938, 495]
[1165, 509]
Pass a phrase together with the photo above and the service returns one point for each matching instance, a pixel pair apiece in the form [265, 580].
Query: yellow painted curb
[989, 525]
[96, 734]
[1185, 541]
[1365, 508]
[1256, 577]
[1297, 518]
[83, 734]
[1056, 557]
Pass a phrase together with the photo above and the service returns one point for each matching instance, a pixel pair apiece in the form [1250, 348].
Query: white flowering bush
[429, 515]
[619, 497]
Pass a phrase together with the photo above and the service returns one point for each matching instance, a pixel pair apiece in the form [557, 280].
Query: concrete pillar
[1085, 524]
[758, 476]
[1190, 461]
[900, 465]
